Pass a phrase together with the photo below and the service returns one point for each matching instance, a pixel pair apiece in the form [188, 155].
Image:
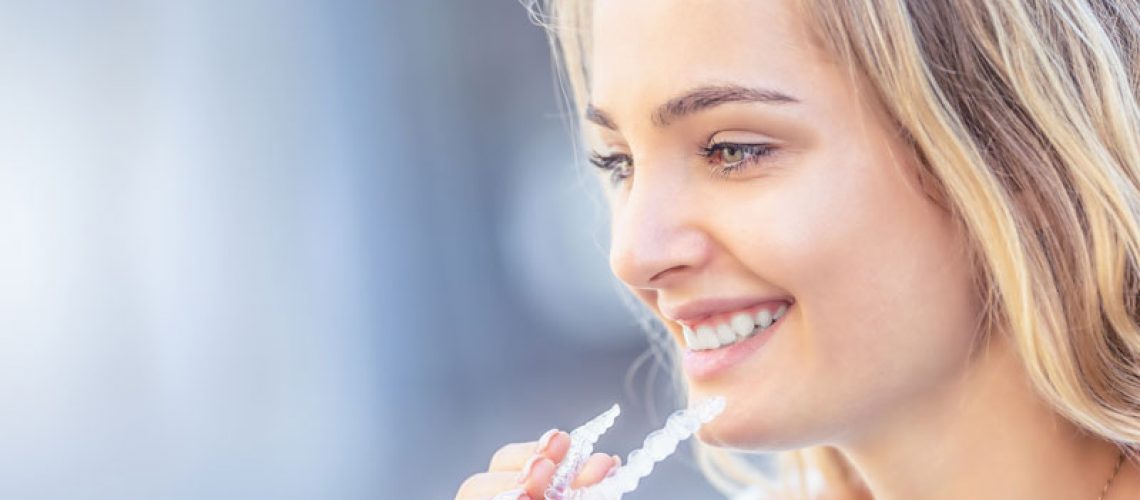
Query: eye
[619, 165]
[732, 154]
[729, 157]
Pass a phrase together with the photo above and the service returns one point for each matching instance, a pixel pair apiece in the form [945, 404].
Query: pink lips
[704, 365]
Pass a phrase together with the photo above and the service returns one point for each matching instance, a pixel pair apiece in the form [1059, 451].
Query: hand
[525, 469]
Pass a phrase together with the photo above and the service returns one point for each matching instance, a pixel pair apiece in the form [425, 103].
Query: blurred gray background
[273, 249]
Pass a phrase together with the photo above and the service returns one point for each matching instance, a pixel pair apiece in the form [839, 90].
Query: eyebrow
[697, 99]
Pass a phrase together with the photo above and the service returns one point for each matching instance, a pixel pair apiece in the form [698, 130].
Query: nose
[657, 234]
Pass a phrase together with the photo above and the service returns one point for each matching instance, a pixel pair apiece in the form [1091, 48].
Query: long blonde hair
[1025, 115]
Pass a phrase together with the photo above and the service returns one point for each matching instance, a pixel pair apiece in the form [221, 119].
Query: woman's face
[820, 212]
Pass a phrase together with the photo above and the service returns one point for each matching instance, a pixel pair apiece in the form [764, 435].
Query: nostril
[661, 275]
[653, 251]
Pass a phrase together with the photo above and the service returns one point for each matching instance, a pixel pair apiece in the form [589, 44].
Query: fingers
[528, 468]
[486, 485]
[512, 457]
[559, 445]
[536, 476]
[595, 469]
[532, 481]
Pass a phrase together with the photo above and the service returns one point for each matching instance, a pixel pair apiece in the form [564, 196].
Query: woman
[940, 199]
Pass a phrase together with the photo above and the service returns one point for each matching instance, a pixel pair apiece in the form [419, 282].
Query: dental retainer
[657, 446]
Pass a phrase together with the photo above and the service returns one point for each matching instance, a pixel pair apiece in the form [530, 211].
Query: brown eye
[727, 157]
[732, 154]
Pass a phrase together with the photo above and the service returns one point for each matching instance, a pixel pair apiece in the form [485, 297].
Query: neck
[984, 435]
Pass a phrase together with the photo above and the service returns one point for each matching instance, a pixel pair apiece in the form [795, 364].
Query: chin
[749, 437]
[723, 434]
[748, 426]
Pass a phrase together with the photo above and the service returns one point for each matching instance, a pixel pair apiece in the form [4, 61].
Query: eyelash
[752, 154]
[608, 163]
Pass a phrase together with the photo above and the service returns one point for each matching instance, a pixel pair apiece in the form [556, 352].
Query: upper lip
[692, 312]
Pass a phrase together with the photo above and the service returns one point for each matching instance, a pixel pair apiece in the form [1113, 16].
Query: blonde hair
[1026, 119]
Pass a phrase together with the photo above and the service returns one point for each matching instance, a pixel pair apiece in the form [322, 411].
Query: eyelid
[759, 149]
[738, 137]
[756, 153]
[598, 159]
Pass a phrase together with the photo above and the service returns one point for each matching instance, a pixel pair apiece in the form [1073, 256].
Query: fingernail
[525, 473]
[615, 467]
[544, 441]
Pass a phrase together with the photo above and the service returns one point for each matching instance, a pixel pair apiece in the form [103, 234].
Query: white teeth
[780, 312]
[739, 327]
[706, 338]
[690, 336]
[725, 334]
[764, 318]
[742, 325]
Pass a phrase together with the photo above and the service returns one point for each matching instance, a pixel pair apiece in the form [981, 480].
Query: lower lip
[703, 365]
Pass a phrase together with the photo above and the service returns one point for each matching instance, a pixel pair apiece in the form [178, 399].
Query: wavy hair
[1025, 116]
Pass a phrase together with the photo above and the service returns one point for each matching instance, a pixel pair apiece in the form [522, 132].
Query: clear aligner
[658, 445]
[582, 440]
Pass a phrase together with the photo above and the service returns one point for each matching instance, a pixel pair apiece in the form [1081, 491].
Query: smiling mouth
[728, 329]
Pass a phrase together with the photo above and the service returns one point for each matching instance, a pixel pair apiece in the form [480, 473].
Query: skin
[882, 355]
[505, 470]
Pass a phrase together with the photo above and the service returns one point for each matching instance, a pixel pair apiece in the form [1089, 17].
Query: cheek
[887, 282]
[886, 304]
[895, 317]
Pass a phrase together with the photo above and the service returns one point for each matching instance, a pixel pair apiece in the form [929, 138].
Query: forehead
[645, 51]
